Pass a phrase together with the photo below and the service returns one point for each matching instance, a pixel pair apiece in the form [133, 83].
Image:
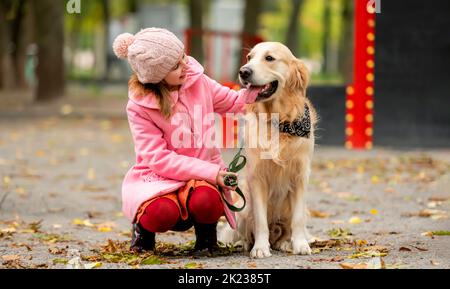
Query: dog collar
[300, 127]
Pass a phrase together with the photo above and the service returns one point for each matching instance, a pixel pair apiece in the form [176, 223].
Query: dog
[275, 188]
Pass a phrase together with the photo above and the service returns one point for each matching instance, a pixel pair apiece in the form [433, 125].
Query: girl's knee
[205, 205]
[160, 216]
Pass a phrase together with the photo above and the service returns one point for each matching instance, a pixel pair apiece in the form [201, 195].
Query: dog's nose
[245, 73]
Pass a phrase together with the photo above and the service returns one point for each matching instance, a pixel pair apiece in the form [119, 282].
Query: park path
[60, 203]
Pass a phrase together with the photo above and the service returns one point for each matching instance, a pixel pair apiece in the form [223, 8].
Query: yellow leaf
[353, 266]
[374, 212]
[84, 152]
[93, 265]
[375, 179]
[355, 220]
[66, 109]
[104, 229]
[117, 138]
[91, 174]
[80, 222]
[6, 180]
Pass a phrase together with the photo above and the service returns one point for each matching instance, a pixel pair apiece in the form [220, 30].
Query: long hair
[160, 90]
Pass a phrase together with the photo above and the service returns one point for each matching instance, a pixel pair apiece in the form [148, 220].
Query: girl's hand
[220, 180]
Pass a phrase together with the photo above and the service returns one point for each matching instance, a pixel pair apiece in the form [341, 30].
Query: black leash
[231, 180]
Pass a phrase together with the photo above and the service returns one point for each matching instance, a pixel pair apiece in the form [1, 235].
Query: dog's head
[272, 67]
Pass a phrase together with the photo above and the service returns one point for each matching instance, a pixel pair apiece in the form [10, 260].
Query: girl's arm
[152, 147]
[228, 100]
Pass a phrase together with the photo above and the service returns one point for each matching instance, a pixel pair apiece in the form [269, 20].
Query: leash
[231, 180]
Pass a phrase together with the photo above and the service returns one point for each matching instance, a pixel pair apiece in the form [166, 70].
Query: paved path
[60, 182]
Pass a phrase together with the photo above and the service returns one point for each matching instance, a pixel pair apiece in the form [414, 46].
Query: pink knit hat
[152, 53]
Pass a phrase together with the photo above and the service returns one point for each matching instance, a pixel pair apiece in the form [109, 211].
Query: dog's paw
[284, 246]
[301, 247]
[260, 252]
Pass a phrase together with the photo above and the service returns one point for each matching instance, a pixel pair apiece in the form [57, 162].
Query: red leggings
[204, 207]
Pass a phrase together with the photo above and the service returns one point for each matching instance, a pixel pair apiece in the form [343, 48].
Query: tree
[293, 30]
[50, 40]
[253, 9]
[196, 24]
[326, 40]
[346, 45]
[14, 38]
[106, 20]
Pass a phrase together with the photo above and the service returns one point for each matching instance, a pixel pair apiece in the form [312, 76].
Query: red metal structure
[360, 95]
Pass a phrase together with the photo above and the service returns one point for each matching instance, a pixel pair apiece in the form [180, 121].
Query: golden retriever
[275, 187]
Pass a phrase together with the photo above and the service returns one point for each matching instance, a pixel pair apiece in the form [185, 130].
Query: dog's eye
[249, 57]
[270, 58]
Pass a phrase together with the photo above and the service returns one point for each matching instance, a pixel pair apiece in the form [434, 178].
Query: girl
[173, 187]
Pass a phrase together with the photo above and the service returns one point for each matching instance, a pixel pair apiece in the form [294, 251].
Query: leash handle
[231, 180]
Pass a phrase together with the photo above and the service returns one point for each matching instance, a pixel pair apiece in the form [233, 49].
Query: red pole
[360, 95]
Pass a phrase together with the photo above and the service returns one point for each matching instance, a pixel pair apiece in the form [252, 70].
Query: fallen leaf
[60, 261]
[369, 254]
[91, 174]
[252, 265]
[355, 220]
[319, 214]
[339, 233]
[80, 222]
[374, 212]
[434, 263]
[66, 109]
[441, 233]
[404, 249]
[11, 257]
[93, 265]
[193, 266]
[353, 266]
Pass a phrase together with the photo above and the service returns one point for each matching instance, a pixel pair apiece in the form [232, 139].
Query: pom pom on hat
[152, 53]
[121, 44]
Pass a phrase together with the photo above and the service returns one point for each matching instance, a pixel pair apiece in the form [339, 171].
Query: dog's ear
[299, 76]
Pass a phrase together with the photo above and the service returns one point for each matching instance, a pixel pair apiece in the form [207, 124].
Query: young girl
[173, 187]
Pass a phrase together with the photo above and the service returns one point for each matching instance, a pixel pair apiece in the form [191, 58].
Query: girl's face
[177, 76]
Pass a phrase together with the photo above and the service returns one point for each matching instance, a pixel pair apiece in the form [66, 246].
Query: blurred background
[61, 51]
[65, 143]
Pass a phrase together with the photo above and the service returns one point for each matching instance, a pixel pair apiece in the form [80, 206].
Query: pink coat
[162, 167]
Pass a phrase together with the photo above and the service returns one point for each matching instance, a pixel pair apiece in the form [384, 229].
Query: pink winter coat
[162, 167]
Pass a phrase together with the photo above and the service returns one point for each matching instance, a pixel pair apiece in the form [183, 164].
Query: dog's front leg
[259, 197]
[298, 223]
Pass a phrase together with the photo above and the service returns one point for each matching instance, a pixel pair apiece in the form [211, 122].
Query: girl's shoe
[206, 237]
[142, 240]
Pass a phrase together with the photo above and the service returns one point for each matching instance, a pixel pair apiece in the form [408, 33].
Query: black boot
[142, 240]
[206, 238]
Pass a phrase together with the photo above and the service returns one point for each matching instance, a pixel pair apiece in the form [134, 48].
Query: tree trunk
[346, 44]
[326, 37]
[196, 16]
[50, 38]
[253, 9]
[292, 39]
[20, 39]
[2, 46]
[7, 73]
[106, 20]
